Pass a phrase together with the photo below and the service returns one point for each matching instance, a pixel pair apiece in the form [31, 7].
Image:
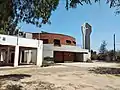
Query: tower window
[57, 42]
[45, 41]
[74, 42]
[68, 42]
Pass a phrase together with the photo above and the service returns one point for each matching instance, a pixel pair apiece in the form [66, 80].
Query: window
[45, 41]
[57, 42]
[68, 42]
[74, 42]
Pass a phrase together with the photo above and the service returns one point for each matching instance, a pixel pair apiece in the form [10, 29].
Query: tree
[103, 48]
[102, 51]
[36, 12]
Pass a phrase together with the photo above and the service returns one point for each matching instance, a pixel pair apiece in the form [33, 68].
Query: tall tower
[86, 31]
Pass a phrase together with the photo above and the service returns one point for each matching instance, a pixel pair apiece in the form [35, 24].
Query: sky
[103, 20]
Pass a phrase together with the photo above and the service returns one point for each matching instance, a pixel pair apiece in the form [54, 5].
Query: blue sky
[102, 18]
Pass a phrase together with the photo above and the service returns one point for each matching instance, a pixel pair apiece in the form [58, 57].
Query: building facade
[61, 47]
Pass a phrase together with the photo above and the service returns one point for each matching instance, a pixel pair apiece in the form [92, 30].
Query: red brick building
[52, 38]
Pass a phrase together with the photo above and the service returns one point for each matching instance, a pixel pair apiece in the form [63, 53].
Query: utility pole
[17, 36]
[114, 58]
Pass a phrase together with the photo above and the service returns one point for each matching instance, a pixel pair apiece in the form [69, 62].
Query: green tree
[103, 51]
[36, 12]
[103, 48]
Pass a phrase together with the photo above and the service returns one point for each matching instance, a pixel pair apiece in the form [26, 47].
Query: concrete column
[8, 54]
[16, 56]
[28, 56]
[20, 56]
[25, 56]
[1, 57]
[39, 55]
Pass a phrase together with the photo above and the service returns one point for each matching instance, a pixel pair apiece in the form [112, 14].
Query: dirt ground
[68, 76]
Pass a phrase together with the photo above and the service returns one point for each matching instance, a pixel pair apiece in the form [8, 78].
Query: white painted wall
[86, 57]
[12, 40]
[70, 49]
[28, 35]
[48, 51]
[8, 40]
[27, 42]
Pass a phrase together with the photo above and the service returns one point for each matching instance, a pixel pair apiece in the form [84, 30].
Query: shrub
[94, 57]
[48, 61]
[118, 58]
[89, 61]
[13, 87]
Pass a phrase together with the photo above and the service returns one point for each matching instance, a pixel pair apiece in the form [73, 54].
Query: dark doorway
[22, 56]
[57, 42]
[12, 57]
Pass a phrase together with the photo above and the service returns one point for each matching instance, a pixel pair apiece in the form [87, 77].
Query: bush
[118, 58]
[102, 57]
[94, 57]
[89, 61]
[13, 87]
[48, 61]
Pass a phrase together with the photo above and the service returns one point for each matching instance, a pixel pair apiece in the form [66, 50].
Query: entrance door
[61, 57]
[58, 57]
[69, 56]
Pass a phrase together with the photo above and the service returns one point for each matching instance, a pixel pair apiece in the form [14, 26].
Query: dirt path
[64, 77]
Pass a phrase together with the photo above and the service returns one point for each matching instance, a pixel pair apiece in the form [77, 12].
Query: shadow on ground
[106, 70]
[14, 77]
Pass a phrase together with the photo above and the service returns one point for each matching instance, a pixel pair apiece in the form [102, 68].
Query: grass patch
[14, 77]
[106, 70]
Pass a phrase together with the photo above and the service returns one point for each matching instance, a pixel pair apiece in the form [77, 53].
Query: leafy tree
[36, 12]
[2, 31]
[103, 48]
[102, 51]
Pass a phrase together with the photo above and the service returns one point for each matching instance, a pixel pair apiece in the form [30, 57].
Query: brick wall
[51, 37]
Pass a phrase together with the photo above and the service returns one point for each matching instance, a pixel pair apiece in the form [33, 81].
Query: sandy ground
[68, 76]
